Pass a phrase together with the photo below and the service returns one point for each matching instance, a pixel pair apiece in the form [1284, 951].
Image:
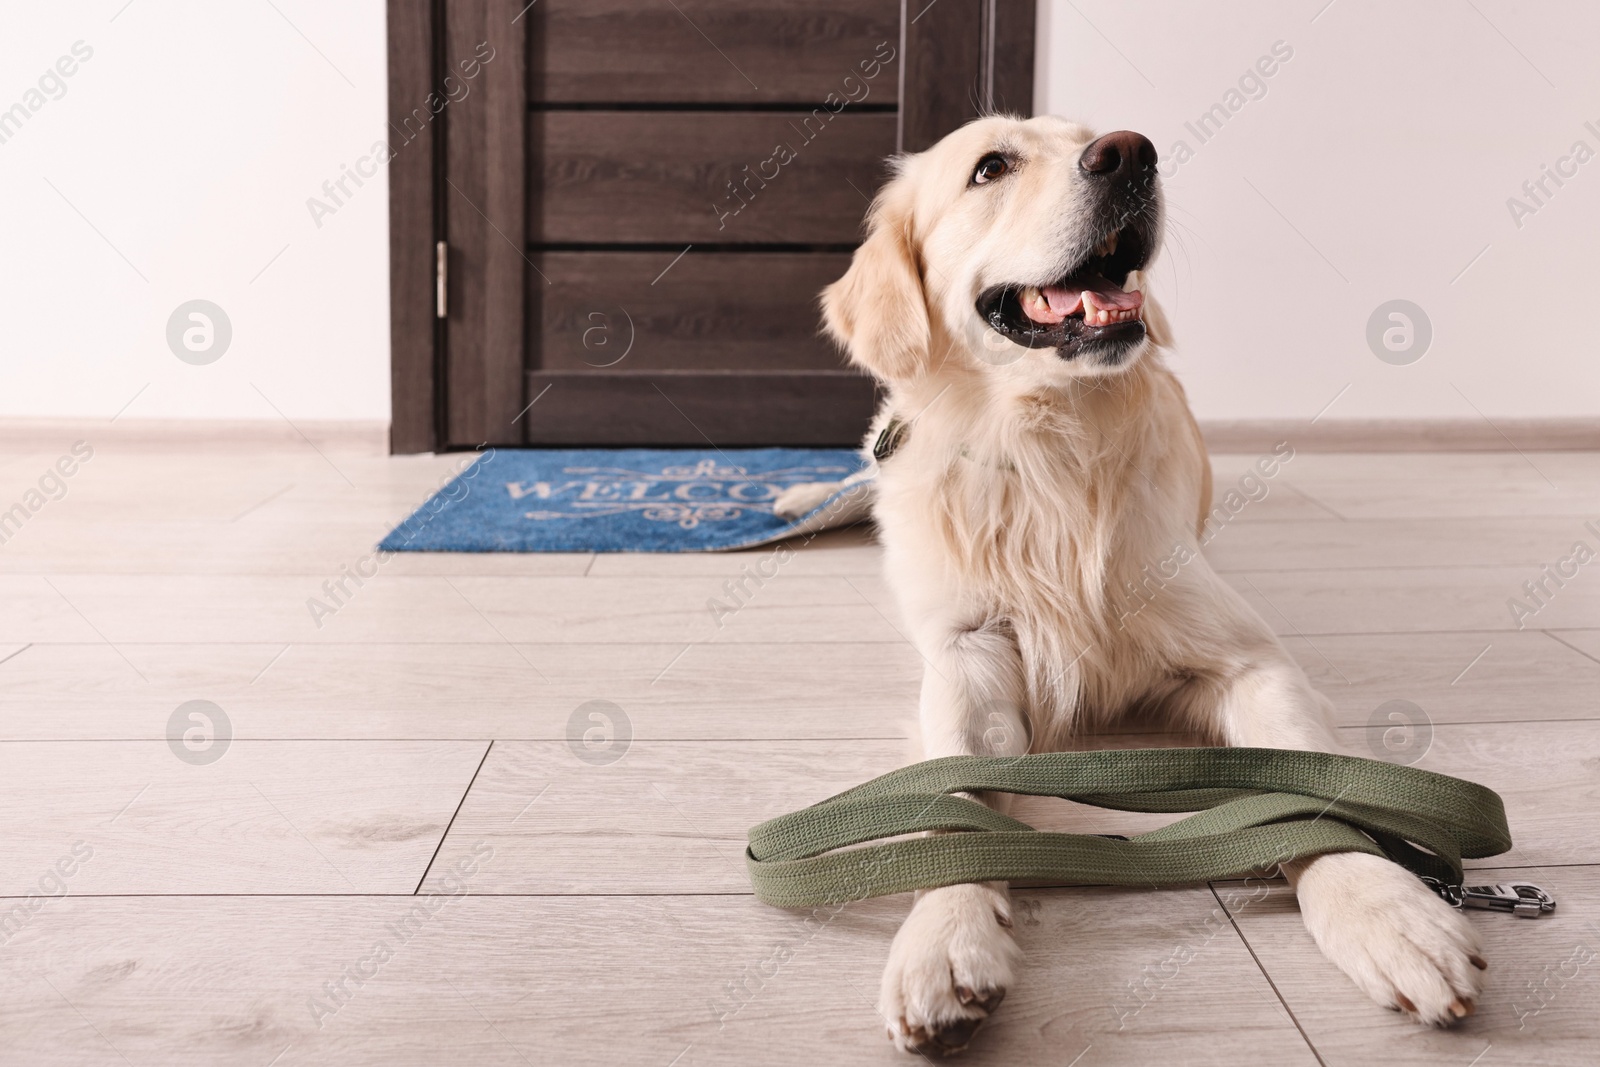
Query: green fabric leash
[1255, 808]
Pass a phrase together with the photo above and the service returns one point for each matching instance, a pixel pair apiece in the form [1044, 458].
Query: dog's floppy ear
[877, 312]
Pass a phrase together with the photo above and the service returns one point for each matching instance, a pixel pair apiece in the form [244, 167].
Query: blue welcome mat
[631, 500]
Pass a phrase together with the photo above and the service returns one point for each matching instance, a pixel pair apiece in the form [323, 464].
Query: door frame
[958, 59]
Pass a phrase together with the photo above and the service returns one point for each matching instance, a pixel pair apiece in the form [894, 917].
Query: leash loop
[1253, 810]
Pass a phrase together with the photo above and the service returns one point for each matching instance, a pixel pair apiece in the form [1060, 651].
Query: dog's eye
[990, 167]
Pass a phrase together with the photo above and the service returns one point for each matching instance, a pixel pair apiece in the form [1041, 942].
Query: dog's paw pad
[950, 1037]
[1395, 939]
[802, 499]
[988, 999]
[948, 970]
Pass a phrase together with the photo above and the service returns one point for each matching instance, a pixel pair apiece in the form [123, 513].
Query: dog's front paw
[1399, 942]
[803, 499]
[949, 968]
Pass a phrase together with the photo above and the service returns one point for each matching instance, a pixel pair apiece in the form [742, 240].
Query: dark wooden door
[636, 202]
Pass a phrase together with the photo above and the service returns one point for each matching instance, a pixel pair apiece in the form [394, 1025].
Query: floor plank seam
[1552, 635]
[525, 740]
[697, 894]
[720, 739]
[271, 643]
[459, 804]
[1245, 941]
[1295, 489]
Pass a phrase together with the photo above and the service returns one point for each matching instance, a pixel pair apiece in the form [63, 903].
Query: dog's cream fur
[1029, 493]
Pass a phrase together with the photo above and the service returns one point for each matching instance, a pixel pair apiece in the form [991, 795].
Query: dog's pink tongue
[1068, 300]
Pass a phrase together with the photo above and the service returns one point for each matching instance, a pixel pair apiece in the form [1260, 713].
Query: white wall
[1391, 141]
[191, 140]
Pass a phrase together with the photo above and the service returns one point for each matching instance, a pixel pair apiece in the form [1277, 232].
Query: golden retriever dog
[1037, 465]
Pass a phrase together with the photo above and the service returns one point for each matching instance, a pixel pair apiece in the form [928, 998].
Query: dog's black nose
[1125, 155]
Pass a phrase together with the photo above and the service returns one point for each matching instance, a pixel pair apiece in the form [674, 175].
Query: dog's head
[1020, 244]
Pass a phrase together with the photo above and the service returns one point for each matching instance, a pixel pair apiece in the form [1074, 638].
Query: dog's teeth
[1096, 315]
[1108, 246]
[1093, 313]
[1032, 298]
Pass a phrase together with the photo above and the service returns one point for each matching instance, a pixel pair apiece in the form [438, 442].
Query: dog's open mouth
[1085, 310]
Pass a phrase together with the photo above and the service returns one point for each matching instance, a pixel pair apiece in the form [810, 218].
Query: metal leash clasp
[1518, 898]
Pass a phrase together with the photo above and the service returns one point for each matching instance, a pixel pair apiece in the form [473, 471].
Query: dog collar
[890, 439]
[894, 434]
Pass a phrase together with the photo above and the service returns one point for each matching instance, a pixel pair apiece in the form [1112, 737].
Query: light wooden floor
[402, 775]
